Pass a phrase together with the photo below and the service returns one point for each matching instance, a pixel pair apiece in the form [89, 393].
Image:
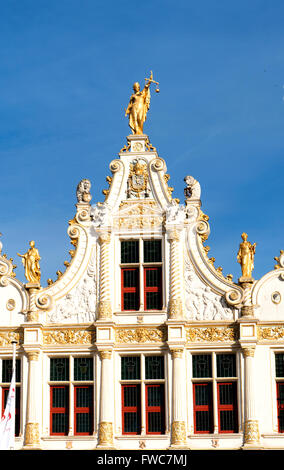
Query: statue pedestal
[32, 285]
[137, 142]
[244, 280]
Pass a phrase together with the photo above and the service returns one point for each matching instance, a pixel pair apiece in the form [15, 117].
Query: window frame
[142, 267]
[143, 383]
[216, 382]
[72, 384]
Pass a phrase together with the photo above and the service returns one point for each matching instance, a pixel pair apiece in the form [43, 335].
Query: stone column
[105, 435]
[247, 309]
[32, 314]
[175, 302]
[178, 428]
[105, 311]
[251, 428]
[32, 436]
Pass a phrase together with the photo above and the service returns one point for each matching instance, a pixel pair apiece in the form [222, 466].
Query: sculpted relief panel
[79, 304]
[201, 303]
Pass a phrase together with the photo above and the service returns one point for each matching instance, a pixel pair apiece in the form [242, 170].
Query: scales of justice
[139, 105]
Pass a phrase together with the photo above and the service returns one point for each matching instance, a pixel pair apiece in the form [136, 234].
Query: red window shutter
[130, 289]
[203, 408]
[83, 410]
[59, 410]
[227, 407]
[153, 288]
[155, 409]
[131, 409]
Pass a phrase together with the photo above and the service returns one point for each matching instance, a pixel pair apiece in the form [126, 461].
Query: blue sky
[67, 69]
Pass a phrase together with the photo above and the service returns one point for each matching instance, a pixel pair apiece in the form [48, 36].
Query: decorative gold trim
[105, 354]
[141, 335]
[178, 433]
[274, 333]
[32, 434]
[69, 336]
[251, 433]
[33, 355]
[105, 434]
[248, 352]
[175, 308]
[210, 334]
[105, 311]
[176, 353]
[7, 337]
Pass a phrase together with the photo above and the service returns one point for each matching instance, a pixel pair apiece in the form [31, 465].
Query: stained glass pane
[279, 365]
[132, 422]
[201, 365]
[59, 368]
[154, 367]
[60, 423]
[152, 251]
[155, 422]
[203, 421]
[130, 278]
[130, 367]
[84, 423]
[203, 395]
[153, 301]
[227, 421]
[83, 368]
[130, 251]
[130, 301]
[7, 365]
[226, 365]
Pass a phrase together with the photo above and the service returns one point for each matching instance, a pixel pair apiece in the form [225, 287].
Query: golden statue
[31, 264]
[246, 256]
[139, 105]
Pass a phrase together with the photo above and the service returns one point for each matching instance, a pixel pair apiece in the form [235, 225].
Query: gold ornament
[140, 335]
[246, 256]
[139, 105]
[210, 334]
[68, 337]
[178, 433]
[32, 434]
[105, 434]
[31, 264]
[251, 433]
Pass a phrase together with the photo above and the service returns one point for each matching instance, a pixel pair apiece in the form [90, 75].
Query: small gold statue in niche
[139, 105]
[246, 256]
[30, 261]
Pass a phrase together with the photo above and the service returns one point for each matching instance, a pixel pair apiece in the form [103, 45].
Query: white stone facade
[202, 314]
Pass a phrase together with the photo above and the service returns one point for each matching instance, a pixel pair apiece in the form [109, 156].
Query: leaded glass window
[202, 365]
[212, 396]
[226, 365]
[147, 371]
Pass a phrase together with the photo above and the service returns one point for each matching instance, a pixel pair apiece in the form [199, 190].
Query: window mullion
[215, 395]
[143, 395]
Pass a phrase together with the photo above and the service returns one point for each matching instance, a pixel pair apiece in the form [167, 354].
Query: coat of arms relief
[137, 183]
